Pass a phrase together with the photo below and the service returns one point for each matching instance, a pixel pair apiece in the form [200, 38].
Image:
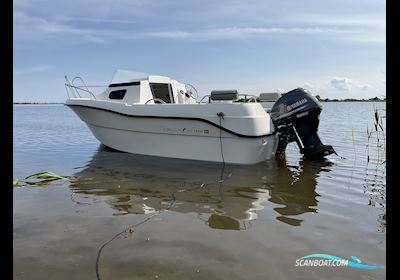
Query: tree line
[376, 98]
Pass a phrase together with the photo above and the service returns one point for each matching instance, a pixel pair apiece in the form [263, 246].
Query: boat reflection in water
[224, 197]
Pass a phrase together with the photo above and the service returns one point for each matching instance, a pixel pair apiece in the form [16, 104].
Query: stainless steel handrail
[252, 97]
[246, 99]
[68, 89]
[79, 88]
[74, 90]
[156, 99]
[83, 82]
[203, 98]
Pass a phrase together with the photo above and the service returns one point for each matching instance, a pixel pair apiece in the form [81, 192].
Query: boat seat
[224, 95]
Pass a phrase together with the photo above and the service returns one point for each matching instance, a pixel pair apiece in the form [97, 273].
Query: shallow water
[182, 219]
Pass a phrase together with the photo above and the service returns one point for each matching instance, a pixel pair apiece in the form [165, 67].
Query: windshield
[125, 76]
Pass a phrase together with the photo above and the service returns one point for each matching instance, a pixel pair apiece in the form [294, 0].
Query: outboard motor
[296, 118]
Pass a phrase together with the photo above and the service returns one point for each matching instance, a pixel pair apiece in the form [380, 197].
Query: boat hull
[175, 138]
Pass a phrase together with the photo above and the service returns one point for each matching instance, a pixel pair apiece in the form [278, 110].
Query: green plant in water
[39, 179]
[379, 131]
[375, 179]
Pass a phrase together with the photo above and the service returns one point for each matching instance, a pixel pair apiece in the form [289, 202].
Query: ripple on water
[285, 208]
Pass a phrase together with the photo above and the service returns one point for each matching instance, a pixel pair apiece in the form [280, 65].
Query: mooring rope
[221, 116]
[138, 224]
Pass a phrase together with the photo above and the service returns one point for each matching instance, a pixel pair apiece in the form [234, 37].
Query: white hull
[158, 116]
[237, 151]
[176, 138]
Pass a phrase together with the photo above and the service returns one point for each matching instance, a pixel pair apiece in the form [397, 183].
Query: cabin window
[162, 91]
[117, 94]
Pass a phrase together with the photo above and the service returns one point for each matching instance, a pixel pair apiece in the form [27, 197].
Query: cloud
[238, 32]
[233, 32]
[31, 70]
[125, 24]
[343, 84]
[365, 20]
[363, 27]
[308, 86]
[346, 84]
[25, 24]
[22, 3]
[28, 27]
[167, 34]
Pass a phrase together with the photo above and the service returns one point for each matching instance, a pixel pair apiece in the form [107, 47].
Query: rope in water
[221, 116]
[136, 225]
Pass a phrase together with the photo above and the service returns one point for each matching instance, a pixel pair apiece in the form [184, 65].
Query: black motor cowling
[296, 118]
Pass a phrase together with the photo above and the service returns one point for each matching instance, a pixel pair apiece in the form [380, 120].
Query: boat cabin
[131, 88]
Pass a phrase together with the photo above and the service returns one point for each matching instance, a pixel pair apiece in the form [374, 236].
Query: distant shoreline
[353, 100]
[372, 99]
[333, 100]
[36, 103]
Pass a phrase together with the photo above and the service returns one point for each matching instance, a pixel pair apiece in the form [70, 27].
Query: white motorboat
[158, 116]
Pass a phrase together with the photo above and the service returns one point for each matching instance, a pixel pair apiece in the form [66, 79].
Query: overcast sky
[336, 49]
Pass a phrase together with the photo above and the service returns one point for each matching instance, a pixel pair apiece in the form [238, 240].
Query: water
[181, 219]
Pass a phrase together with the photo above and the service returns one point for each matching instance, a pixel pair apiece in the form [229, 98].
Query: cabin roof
[127, 76]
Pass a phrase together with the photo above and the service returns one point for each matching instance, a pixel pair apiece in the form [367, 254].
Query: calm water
[183, 219]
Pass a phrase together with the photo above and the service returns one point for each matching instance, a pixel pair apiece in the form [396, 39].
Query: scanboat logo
[296, 104]
[330, 260]
[186, 130]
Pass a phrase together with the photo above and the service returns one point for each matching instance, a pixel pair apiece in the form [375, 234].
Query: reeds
[375, 180]
[378, 131]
